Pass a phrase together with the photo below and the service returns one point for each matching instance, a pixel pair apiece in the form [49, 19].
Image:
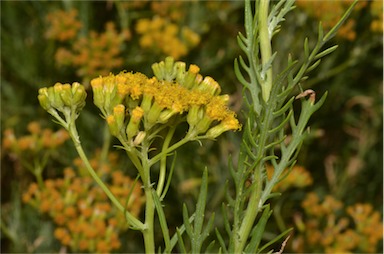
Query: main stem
[148, 232]
[265, 48]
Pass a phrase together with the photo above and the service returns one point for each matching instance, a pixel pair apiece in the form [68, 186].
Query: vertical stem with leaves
[270, 119]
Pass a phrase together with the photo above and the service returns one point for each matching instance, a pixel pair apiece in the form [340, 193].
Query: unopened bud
[112, 125]
[43, 98]
[119, 114]
[134, 123]
[58, 102]
[139, 138]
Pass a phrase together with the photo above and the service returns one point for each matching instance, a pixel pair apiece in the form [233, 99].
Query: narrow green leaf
[284, 108]
[277, 238]
[306, 48]
[239, 74]
[244, 65]
[333, 31]
[242, 45]
[180, 241]
[187, 224]
[200, 206]
[162, 220]
[258, 231]
[208, 228]
[169, 177]
[210, 247]
[282, 124]
[221, 241]
[313, 66]
[226, 222]
[181, 231]
[326, 52]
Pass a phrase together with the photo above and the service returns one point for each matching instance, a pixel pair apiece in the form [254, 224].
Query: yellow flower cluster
[38, 141]
[376, 9]
[325, 230]
[163, 36]
[298, 177]
[92, 55]
[63, 25]
[171, 9]
[173, 94]
[95, 54]
[329, 12]
[85, 218]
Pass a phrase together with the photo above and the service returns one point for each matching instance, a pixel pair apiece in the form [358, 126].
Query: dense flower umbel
[85, 218]
[172, 96]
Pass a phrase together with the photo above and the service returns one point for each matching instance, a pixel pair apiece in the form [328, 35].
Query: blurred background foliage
[334, 196]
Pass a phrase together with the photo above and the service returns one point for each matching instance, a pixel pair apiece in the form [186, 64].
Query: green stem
[265, 48]
[163, 161]
[148, 233]
[157, 157]
[134, 222]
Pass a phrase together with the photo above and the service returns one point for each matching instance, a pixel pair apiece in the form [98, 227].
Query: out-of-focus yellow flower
[62, 25]
[82, 212]
[298, 177]
[376, 8]
[161, 35]
[325, 227]
[329, 13]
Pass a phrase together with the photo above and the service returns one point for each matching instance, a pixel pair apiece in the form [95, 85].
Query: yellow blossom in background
[163, 36]
[376, 9]
[329, 13]
[39, 140]
[95, 54]
[85, 218]
[325, 227]
[298, 177]
[62, 25]
[170, 9]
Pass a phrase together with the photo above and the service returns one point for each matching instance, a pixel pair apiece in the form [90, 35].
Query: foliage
[209, 201]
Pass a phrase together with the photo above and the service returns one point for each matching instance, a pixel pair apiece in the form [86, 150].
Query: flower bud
[139, 138]
[43, 98]
[79, 94]
[230, 123]
[58, 102]
[154, 114]
[195, 114]
[203, 125]
[158, 70]
[166, 114]
[98, 96]
[134, 123]
[119, 114]
[210, 86]
[112, 125]
[180, 72]
[66, 95]
[190, 77]
[170, 71]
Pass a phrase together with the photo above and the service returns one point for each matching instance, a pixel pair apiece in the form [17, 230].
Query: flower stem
[148, 232]
[134, 222]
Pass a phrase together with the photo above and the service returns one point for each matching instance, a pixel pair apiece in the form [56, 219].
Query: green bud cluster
[64, 98]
